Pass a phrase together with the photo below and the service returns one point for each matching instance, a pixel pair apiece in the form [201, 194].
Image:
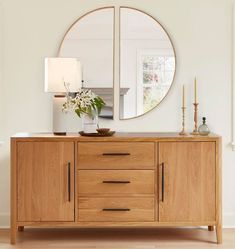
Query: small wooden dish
[109, 134]
[103, 131]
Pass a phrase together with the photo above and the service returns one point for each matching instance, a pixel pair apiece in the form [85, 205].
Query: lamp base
[59, 133]
[59, 117]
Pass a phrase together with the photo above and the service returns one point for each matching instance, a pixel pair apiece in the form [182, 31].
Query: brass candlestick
[183, 133]
[195, 131]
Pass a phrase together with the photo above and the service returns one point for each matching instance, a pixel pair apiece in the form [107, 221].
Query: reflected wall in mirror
[90, 39]
[147, 63]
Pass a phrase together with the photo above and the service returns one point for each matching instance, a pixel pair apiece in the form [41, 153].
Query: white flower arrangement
[84, 102]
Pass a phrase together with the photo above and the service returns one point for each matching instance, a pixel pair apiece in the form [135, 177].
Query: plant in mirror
[147, 63]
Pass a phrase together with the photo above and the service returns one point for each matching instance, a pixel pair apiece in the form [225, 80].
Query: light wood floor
[164, 238]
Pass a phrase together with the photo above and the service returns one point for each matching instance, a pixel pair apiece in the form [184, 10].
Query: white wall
[201, 33]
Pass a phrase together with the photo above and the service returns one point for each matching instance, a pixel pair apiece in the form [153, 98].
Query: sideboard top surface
[119, 136]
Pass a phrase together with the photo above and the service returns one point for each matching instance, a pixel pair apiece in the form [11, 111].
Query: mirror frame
[173, 79]
[113, 42]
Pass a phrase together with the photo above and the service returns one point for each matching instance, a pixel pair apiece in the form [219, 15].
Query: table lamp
[58, 73]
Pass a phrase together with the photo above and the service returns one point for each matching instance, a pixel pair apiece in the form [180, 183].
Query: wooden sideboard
[128, 180]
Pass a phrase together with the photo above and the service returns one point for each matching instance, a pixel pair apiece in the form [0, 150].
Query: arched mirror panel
[147, 63]
[91, 40]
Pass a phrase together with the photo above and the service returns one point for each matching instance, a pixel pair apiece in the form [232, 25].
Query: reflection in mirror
[147, 63]
[90, 39]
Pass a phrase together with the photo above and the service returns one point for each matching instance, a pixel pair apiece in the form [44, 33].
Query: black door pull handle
[116, 209]
[69, 182]
[116, 154]
[118, 182]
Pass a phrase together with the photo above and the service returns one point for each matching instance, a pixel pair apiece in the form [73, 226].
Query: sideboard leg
[13, 234]
[219, 233]
[210, 228]
[20, 228]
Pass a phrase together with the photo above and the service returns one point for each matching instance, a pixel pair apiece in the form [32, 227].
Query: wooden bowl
[103, 131]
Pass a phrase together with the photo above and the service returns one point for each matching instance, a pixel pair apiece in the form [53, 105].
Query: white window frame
[139, 70]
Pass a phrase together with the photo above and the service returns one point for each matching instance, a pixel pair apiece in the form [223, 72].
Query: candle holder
[195, 131]
[183, 133]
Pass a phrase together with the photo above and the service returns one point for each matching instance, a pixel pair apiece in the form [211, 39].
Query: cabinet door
[187, 181]
[45, 172]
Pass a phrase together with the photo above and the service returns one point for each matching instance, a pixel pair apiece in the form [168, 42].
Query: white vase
[90, 124]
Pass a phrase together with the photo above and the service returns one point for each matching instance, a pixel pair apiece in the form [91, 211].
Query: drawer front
[116, 155]
[116, 209]
[115, 182]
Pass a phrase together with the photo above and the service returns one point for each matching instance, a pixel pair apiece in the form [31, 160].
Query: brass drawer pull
[118, 182]
[116, 209]
[117, 154]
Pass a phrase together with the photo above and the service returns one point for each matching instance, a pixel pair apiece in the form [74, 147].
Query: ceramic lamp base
[59, 117]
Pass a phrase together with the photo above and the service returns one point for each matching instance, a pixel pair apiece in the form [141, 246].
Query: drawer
[116, 155]
[115, 182]
[116, 209]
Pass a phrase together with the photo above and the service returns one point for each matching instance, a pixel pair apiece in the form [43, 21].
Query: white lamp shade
[62, 70]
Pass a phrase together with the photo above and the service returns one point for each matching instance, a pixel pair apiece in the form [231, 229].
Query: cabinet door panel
[189, 181]
[43, 181]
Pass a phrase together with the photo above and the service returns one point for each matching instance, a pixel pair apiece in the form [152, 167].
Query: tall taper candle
[183, 100]
[183, 133]
[195, 90]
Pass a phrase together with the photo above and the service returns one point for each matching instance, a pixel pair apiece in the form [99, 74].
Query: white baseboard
[228, 220]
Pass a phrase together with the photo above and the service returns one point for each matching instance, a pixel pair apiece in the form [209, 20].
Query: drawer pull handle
[117, 154]
[116, 182]
[163, 181]
[116, 209]
[69, 182]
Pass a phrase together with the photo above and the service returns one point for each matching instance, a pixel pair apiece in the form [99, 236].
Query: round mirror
[147, 63]
[147, 58]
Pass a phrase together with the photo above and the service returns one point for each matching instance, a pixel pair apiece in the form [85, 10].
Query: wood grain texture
[140, 209]
[156, 182]
[90, 182]
[43, 181]
[189, 181]
[118, 136]
[196, 211]
[141, 155]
